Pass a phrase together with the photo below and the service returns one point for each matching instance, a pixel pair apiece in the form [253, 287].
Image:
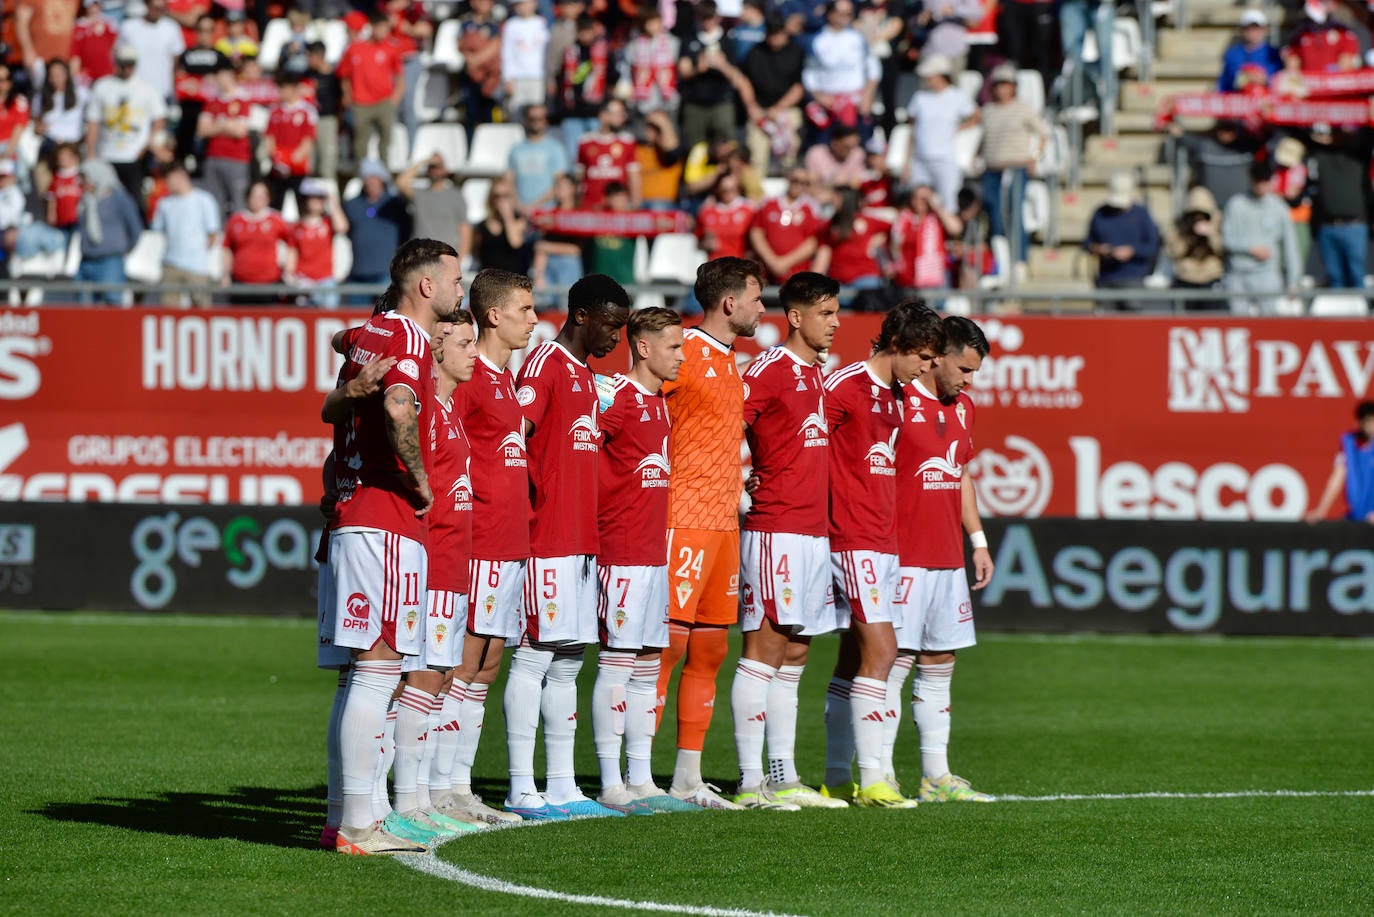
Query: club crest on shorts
[874, 595]
[684, 592]
[619, 618]
[440, 633]
[787, 596]
[411, 617]
[489, 605]
[551, 611]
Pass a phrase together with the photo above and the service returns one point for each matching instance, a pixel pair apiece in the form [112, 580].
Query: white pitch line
[1236, 794]
[434, 866]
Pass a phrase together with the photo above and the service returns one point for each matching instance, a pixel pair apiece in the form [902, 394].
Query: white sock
[868, 705]
[331, 743]
[930, 710]
[470, 718]
[381, 803]
[613, 671]
[839, 733]
[429, 739]
[524, 685]
[361, 728]
[560, 726]
[781, 727]
[446, 745]
[892, 723]
[641, 720]
[749, 706]
[687, 770]
[412, 720]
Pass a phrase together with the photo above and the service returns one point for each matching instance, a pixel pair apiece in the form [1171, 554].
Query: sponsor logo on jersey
[936, 471]
[653, 469]
[356, 610]
[1016, 480]
[814, 430]
[710, 372]
[584, 433]
[461, 492]
[882, 457]
[513, 449]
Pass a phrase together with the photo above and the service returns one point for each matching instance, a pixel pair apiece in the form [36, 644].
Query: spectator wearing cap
[1125, 239]
[195, 81]
[190, 220]
[158, 40]
[1339, 168]
[289, 140]
[378, 222]
[1012, 139]
[110, 226]
[707, 78]
[524, 44]
[223, 125]
[328, 93]
[1252, 49]
[583, 83]
[536, 161]
[310, 256]
[1193, 245]
[11, 208]
[772, 91]
[43, 30]
[437, 209]
[122, 115]
[1260, 245]
[841, 73]
[370, 74]
[1220, 161]
[93, 40]
[938, 110]
[1320, 42]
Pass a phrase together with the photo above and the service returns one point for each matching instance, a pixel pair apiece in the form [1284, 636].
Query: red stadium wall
[1095, 416]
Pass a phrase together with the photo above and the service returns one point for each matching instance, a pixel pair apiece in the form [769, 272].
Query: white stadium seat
[334, 35]
[898, 148]
[491, 146]
[1030, 89]
[675, 257]
[1340, 304]
[143, 264]
[343, 257]
[449, 140]
[966, 144]
[445, 53]
[475, 191]
[274, 38]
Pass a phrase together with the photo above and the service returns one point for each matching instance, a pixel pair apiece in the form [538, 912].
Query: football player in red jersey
[558, 394]
[376, 573]
[503, 305]
[932, 609]
[632, 560]
[863, 410]
[785, 554]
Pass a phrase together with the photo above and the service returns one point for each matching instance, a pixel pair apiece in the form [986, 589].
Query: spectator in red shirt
[853, 250]
[785, 231]
[919, 251]
[723, 221]
[370, 72]
[1321, 43]
[55, 232]
[608, 156]
[310, 258]
[223, 125]
[289, 141]
[14, 112]
[93, 41]
[250, 248]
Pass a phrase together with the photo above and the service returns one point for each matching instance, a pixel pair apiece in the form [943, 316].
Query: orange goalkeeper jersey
[706, 405]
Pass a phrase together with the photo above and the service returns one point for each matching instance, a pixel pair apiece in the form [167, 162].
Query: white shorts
[561, 599]
[329, 655]
[444, 630]
[865, 582]
[932, 610]
[786, 578]
[378, 590]
[633, 607]
[495, 605]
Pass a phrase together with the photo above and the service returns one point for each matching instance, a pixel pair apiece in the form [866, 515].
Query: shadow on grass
[259, 815]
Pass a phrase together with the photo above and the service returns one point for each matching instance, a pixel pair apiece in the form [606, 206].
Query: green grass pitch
[167, 765]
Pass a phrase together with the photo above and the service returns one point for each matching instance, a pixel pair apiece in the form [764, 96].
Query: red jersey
[93, 41]
[935, 446]
[864, 419]
[1321, 47]
[495, 426]
[632, 478]
[729, 223]
[370, 477]
[290, 126]
[787, 225]
[222, 146]
[253, 241]
[604, 158]
[558, 394]
[65, 192]
[785, 419]
[371, 70]
[314, 245]
[13, 117]
[856, 255]
[450, 521]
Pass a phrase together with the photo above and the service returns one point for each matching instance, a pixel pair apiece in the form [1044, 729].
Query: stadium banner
[122, 557]
[1074, 575]
[1185, 417]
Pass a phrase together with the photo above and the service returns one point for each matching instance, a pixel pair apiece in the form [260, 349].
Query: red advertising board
[1094, 416]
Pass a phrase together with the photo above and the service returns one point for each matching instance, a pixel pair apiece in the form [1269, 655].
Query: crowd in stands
[252, 135]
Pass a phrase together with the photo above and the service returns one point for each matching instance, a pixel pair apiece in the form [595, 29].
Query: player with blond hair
[706, 404]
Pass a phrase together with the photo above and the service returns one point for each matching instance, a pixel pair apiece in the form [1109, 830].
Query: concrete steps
[1198, 43]
[1132, 149]
[1138, 96]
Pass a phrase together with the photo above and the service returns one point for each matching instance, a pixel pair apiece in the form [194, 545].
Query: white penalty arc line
[1235, 794]
[434, 866]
